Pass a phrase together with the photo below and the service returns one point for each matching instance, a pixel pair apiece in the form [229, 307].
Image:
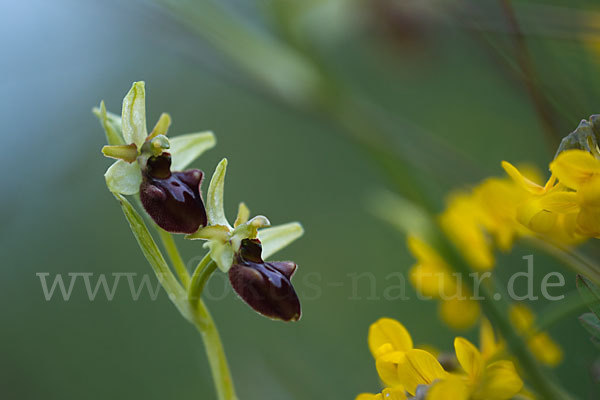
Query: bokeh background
[454, 87]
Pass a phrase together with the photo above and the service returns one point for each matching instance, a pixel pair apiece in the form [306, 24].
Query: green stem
[198, 313]
[572, 259]
[538, 377]
[207, 328]
[175, 257]
[199, 279]
[215, 353]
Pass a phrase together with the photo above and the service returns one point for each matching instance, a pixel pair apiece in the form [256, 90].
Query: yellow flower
[386, 394]
[580, 172]
[432, 277]
[462, 223]
[389, 341]
[495, 381]
[548, 210]
[498, 200]
[419, 368]
[489, 345]
[415, 371]
[540, 344]
[460, 313]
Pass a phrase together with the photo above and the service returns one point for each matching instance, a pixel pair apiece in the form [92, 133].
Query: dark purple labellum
[172, 199]
[264, 286]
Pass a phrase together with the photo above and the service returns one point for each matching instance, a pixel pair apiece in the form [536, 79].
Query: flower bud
[172, 199]
[264, 286]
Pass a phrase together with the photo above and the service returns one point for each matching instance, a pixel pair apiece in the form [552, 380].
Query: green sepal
[276, 238]
[133, 115]
[123, 177]
[111, 124]
[590, 293]
[186, 148]
[214, 200]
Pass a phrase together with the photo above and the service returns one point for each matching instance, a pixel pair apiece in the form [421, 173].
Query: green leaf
[123, 177]
[150, 250]
[591, 323]
[214, 202]
[111, 124]
[590, 293]
[276, 238]
[186, 148]
[133, 115]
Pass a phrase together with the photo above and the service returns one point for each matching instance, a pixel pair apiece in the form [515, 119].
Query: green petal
[134, 115]
[242, 215]
[186, 148]
[111, 124]
[161, 127]
[123, 177]
[214, 202]
[248, 230]
[276, 238]
[211, 232]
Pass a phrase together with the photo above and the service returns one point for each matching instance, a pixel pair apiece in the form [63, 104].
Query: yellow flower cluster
[407, 371]
[565, 210]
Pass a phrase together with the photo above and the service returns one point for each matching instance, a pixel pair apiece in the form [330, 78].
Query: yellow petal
[393, 394]
[386, 394]
[419, 368]
[462, 223]
[588, 221]
[369, 396]
[468, 357]
[589, 193]
[500, 382]
[387, 367]
[487, 340]
[387, 330]
[521, 317]
[546, 350]
[422, 251]
[560, 201]
[543, 221]
[574, 167]
[432, 280]
[453, 388]
[522, 181]
[459, 314]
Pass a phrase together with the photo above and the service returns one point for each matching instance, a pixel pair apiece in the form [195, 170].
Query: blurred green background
[444, 80]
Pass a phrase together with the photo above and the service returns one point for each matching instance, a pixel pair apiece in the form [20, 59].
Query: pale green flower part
[223, 240]
[130, 143]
